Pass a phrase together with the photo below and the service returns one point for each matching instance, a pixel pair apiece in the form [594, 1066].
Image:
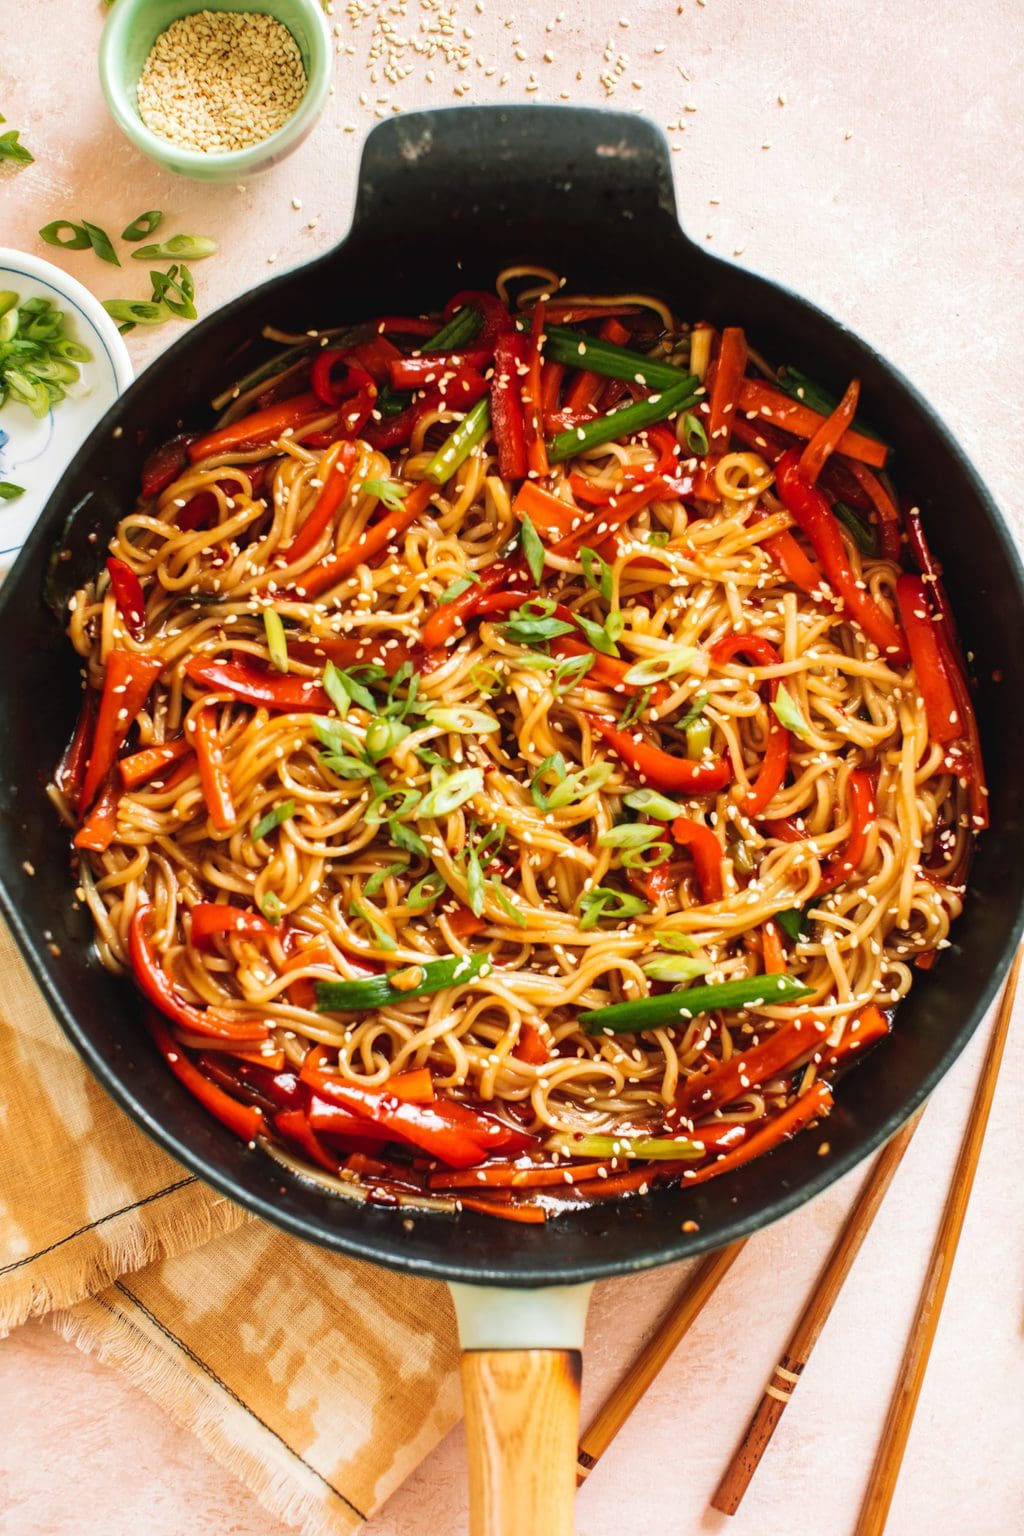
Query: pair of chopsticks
[779, 1391]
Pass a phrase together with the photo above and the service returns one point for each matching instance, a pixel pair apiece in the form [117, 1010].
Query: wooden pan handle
[522, 1427]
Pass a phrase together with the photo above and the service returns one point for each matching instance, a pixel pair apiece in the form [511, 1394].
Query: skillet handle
[425, 169]
[521, 1387]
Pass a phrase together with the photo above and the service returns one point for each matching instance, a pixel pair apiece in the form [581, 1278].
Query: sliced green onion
[601, 902]
[647, 857]
[675, 1007]
[450, 792]
[343, 689]
[9, 491]
[742, 855]
[676, 967]
[569, 672]
[533, 549]
[405, 837]
[11, 149]
[376, 881]
[596, 572]
[613, 362]
[471, 430]
[379, 991]
[277, 643]
[344, 763]
[694, 712]
[391, 802]
[863, 533]
[787, 712]
[793, 921]
[659, 538]
[79, 240]
[462, 719]
[391, 493]
[602, 636]
[381, 936]
[693, 431]
[146, 224]
[458, 586]
[629, 834]
[809, 392]
[383, 736]
[636, 708]
[671, 938]
[698, 738]
[626, 420]
[167, 284]
[650, 803]
[681, 658]
[266, 824]
[639, 1148]
[426, 891]
[505, 903]
[178, 248]
[462, 327]
[272, 907]
[553, 765]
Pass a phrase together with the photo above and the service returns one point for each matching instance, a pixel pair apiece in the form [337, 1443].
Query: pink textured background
[889, 188]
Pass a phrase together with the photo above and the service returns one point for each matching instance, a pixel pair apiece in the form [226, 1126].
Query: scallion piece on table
[641, 1148]
[620, 423]
[146, 224]
[79, 240]
[614, 362]
[177, 248]
[412, 981]
[266, 824]
[9, 491]
[680, 1007]
[471, 430]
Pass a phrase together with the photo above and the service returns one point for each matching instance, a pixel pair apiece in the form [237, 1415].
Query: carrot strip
[261, 427]
[865, 1029]
[530, 1215]
[516, 1176]
[464, 923]
[772, 952]
[212, 774]
[412, 1087]
[748, 1067]
[760, 399]
[99, 828]
[885, 507]
[585, 389]
[145, 765]
[726, 383]
[552, 517]
[371, 542]
[827, 438]
[812, 1105]
[531, 1046]
[336, 482]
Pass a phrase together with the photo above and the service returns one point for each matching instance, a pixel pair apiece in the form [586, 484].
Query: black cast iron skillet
[445, 200]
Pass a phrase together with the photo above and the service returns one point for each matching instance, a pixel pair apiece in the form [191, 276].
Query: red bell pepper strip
[661, 880]
[331, 1120]
[827, 438]
[448, 618]
[674, 775]
[268, 1077]
[405, 325]
[213, 776]
[518, 1176]
[445, 1129]
[210, 919]
[886, 510]
[99, 828]
[811, 511]
[158, 987]
[70, 772]
[775, 762]
[790, 558]
[933, 680]
[585, 390]
[748, 1067]
[497, 320]
[246, 1120]
[332, 493]
[145, 765]
[332, 391]
[128, 595]
[773, 954]
[261, 427]
[165, 464]
[707, 856]
[292, 1125]
[374, 357]
[353, 651]
[761, 400]
[531, 1046]
[931, 573]
[552, 517]
[605, 521]
[507, 423]
[444, 369]
[198, 512]
[252, 685]
[845, 862]
[126, 686]
[536, 448]
[371, 542]
[726, 382]
[766, 440]
[977, 791]
[664, 467]
[815, 1104]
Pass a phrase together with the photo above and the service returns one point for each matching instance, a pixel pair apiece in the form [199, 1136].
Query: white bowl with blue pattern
[34, 453]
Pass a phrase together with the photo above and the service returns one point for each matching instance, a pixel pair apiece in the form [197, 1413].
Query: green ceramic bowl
[131, 29]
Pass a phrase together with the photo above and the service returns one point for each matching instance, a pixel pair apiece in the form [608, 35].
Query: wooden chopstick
[783, 1381]
[616, 1410]
[888, 1460]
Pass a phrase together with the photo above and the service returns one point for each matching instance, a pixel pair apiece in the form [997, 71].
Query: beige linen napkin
[318, 1381]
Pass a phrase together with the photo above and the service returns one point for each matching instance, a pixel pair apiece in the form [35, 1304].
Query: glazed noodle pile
[525, 751]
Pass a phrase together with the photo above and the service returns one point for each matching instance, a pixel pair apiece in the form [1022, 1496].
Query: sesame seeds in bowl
[216, 90]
